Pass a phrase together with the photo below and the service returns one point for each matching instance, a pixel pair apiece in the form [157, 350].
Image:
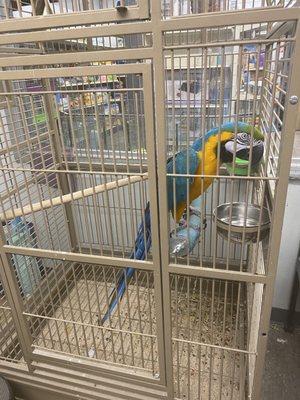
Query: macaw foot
[193, 211]
[185, 237]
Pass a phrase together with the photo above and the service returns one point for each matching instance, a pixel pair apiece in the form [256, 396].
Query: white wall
[289, 248]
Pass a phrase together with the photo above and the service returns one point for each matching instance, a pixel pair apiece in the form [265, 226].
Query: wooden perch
[67, 198]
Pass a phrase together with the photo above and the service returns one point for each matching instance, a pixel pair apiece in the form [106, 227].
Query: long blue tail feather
[139, 253]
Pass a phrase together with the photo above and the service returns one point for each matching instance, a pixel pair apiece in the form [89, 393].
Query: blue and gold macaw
[234, 141]
[225, 136]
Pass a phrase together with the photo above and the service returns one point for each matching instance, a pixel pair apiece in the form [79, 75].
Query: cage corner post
[150, 145]
[286, 149]
[160, 113]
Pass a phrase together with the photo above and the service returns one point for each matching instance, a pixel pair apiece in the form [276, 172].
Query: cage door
[89, 194]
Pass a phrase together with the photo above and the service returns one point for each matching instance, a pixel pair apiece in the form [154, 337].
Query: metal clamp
[120, 7]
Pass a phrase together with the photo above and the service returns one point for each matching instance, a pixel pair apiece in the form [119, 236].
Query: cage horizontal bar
[70, 19]
[73, 171]
[213, 346]
[216, 273]
[20, 50]
[75, 71]
[82, 258]
[67, 91]
[89, 325]
[5, 308]
[79, 57]
[227, 43]
[219, 176]
[229, 18]
[136, 171]
[75, 33]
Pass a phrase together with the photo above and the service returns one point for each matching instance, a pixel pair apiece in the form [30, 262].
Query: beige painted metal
[193, 22]
[72, 197]
[13, 295]
[286, 149]
[77, 71]
[219, 290]
[298, 120]
[161, 162]
[27, 385]
[92, 56]
[73, 19]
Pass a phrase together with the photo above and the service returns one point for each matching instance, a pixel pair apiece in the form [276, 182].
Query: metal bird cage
[95, 97]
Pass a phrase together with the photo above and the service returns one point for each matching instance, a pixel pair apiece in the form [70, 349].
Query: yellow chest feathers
[200, 185]
[209, 162]
[210, 154]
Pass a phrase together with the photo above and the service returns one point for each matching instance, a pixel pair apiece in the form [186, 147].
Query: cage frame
[157, 27]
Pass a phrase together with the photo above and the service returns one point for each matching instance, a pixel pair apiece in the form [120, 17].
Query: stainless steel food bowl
[243, 218]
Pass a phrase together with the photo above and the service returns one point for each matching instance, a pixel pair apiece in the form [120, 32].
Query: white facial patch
[242, 141]
[231, 146]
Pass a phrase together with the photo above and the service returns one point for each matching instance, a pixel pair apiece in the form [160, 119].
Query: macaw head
[240, 145]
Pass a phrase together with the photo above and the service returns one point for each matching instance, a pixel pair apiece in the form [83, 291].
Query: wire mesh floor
[127, 338]
[205, 321]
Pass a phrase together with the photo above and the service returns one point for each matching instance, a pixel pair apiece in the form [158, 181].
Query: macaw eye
[241, 142]
[243, 138]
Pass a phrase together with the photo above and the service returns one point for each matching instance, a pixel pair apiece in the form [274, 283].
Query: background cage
[95, 96]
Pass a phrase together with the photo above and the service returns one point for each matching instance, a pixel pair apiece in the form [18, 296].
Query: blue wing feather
[142, 248]
[180, 182]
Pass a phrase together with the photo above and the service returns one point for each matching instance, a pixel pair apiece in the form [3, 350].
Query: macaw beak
[240, 145]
